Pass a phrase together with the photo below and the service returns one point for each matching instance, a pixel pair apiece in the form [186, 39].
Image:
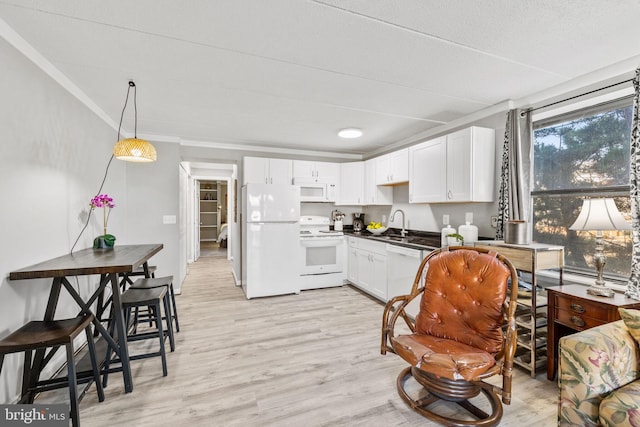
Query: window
[583, 154]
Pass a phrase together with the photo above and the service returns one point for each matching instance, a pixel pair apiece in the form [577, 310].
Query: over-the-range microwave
[315, 191]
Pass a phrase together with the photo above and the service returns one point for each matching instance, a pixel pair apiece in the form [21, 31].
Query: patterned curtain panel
[515, 176]
[633, 287]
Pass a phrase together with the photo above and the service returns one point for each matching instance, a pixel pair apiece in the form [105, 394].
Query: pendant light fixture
[133, 149]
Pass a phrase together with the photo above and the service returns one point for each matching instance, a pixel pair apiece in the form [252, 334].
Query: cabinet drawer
[580, 307]
[379, 248]
[575, 321]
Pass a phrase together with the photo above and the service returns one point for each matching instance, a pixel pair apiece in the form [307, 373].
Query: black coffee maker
[358, 222]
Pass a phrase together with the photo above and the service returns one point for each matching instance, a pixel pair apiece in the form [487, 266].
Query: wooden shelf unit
[209, 203]
[532, 335]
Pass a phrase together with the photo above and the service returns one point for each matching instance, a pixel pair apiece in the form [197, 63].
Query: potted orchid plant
[106, 241]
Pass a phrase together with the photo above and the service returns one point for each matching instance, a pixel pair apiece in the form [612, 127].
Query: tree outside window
[583, 154]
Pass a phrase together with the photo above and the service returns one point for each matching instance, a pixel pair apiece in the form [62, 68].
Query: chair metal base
[452, 391]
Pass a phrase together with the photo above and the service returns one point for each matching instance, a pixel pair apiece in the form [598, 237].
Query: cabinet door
[483, 164]
[374, 194]
[365, 273]
[399, 166]
[382, 170]
[255, 170]
[352, 270]
[351, 184]
[427, 171]
[304, 169]
[327, 172]
[459, 166]
[379, 269]
[280, 171]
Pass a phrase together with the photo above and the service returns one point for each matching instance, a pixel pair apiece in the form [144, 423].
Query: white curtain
[515, 176]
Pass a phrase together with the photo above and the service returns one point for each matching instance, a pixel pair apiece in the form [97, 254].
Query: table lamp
[598, 215]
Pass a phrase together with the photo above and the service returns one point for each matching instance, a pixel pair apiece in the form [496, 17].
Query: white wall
[152, 193]
[53, 153]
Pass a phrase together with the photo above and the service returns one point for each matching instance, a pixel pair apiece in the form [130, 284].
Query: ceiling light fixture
[133, 149]
[350, 133]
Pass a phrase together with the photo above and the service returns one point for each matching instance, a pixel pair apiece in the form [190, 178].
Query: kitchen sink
[416, 240]
[395, 237]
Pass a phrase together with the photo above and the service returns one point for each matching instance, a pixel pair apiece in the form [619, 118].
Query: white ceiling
[291, 73]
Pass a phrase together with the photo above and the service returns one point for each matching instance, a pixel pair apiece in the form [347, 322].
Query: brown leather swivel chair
[457, 339]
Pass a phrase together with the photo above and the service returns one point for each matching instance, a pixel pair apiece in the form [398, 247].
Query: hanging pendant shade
[134, 150]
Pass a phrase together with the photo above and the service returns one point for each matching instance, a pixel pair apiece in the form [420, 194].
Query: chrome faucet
[403, 232]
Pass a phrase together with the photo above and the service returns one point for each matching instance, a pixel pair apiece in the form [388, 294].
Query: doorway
[209, 188]
[213, 204]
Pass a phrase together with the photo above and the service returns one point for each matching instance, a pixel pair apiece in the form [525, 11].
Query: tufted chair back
[463, 297]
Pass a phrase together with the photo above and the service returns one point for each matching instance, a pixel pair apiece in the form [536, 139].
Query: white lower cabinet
[370, 259]
[352, 260]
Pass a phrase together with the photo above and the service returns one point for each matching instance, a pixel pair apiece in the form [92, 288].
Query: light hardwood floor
[311, 359]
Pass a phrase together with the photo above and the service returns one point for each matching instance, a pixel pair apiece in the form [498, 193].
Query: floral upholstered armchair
[598, 375]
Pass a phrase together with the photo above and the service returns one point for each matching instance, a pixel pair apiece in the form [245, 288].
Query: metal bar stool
[149, 283]
[103, 305]
[151, 272]
[134, 299]
[52, 334]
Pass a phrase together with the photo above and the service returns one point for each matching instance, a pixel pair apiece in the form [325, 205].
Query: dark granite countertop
[415, 239]
[421, 240]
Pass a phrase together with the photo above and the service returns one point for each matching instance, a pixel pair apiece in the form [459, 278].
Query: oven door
[322, 255]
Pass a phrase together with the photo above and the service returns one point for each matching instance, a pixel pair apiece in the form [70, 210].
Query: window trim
[612, 190]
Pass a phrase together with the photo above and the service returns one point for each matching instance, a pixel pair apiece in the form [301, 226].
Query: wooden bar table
[108, 263]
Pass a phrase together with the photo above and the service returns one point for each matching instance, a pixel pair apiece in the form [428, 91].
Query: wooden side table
[571, 309]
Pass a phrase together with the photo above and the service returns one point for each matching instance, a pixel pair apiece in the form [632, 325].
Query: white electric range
[323, 253]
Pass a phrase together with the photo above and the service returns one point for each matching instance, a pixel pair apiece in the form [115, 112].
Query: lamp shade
[599, 215]
[134, 150]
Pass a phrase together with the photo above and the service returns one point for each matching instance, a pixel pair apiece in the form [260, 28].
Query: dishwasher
[402, 266]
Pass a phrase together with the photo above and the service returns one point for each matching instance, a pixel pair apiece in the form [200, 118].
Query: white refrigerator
[270, 239]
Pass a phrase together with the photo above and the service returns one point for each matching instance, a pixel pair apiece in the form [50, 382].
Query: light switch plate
[168, 219]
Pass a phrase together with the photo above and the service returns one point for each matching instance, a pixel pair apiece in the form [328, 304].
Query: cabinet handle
[577, 308]
[449, 195]
[578, 321]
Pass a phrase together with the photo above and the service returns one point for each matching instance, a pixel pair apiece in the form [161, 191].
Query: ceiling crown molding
[20, 44]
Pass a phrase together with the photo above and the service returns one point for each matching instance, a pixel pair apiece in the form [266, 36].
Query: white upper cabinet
[267, 171]
[375, 194]
[427, 171]
[320, 172]
[471, 165]
[351, 190]
[459, 167]
[393, 168]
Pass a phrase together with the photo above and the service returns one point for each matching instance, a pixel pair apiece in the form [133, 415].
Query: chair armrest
[395, 308]
[591, 364]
